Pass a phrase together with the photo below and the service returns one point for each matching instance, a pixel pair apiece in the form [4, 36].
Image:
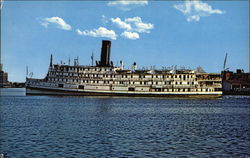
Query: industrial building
[236, 83]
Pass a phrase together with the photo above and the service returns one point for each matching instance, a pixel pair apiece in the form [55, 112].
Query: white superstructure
[105, 79]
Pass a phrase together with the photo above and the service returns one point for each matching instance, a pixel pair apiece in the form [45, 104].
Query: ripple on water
[42, 126]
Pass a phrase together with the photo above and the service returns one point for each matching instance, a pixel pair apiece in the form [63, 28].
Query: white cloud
[127, 4]
[104, 20]
[59, 22]
[139, 25]
[133, 24]
[193, 18]
[194, 10]
[121, 24]
[132, 27]
[130, 35]
[100, 32]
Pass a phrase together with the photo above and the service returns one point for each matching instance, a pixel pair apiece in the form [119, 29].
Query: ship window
[152, 76]
[176, 82]
[140, 82]
[81, 86]
[156, 82]
[158, 89]
[60, 85]
[156, 76]
[131, 76]
[189, 89]
[131, 89]
[145, 82]
[180, 82]
[217, 89]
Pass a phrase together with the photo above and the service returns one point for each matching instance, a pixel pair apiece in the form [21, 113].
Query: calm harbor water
[54, 126]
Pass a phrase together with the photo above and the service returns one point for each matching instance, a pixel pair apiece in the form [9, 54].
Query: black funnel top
[105, 54]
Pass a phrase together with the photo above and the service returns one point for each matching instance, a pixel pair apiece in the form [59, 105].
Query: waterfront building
[236, 83]
[3, 77]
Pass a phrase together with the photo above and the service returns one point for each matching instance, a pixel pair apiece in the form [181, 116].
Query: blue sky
[182, 33]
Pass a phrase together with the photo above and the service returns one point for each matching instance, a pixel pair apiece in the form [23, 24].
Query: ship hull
[77, 92]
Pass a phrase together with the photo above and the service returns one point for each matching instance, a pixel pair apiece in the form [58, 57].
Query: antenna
[27, 70]
[225, 61]
[92, 58]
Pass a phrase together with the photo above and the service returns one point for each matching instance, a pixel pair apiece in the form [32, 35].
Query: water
[53, 126]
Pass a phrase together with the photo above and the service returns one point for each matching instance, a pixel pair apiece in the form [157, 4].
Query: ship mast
[92, 58]
[225, 61]
[51, 60]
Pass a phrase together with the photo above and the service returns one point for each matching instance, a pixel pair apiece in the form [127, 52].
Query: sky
[151, 33]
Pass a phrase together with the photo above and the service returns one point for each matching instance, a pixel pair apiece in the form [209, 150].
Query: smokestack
[105, 53]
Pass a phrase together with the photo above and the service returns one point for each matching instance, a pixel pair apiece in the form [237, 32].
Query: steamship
[105, 79]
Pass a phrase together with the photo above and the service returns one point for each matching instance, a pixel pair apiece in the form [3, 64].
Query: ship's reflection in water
[45, 126]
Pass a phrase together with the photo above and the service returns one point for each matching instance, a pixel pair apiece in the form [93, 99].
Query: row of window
[119, 82]
[78, 69]
[120, 76]
[183, 90]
